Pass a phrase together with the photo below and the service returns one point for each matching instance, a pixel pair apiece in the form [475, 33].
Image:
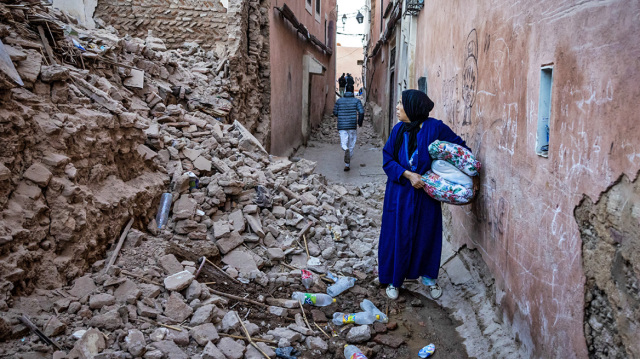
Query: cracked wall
[610, 232]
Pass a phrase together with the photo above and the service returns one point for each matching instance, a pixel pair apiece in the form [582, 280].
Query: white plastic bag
[451, 173]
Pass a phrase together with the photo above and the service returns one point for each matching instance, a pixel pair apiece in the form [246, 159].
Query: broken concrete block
[136, 80]
[135, 342]
[230, 321]
[254, 223]
[110, 320]
[278, 311]
[38, 174]
[54, 73]
[203, 315]
[202, 164]
[288, 334]
[359, 334]
[204, 333]
[180, 338]
[55, 160]
[29, 68]
[82, 287]
[232, 349]
[178, 281]
[54, 327]
[176, 308]
[253, 353]
[91, 344]
[279, 212]
[275, 254]
[240, 260]
[229, 243]
[212, 352]
[170, 264]
[237, 220]
[97, 301]
[191, 154]
[184, 208]
[170, 349]
[315, 343]
[221, 229]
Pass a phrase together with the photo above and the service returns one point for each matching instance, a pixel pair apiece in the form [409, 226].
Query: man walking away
[342, 82]
[349, 79]
[347, 109]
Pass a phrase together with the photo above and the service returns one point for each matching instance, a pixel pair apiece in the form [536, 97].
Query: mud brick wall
[176, 22]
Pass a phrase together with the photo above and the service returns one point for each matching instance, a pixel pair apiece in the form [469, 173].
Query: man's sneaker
[392, 292]
[347, 168]
[347, 157]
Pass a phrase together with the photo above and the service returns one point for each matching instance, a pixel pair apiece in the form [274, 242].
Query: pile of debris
[93, 133]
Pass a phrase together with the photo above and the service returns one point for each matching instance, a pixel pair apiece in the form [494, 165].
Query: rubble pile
[94, 131]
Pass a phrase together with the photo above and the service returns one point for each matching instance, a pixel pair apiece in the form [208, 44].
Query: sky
[350, 8]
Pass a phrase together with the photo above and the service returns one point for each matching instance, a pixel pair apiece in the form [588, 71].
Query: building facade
[545, 93]
[303, 46]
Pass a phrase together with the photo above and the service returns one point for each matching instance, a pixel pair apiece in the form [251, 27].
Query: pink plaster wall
[347, 62]
[287, 51]
[482, 60]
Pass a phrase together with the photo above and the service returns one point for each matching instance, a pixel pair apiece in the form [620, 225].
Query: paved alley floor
[324, 148]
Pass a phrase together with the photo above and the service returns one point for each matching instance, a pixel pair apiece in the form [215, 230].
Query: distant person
[342, 82]
[360, 92]
[349, 79]
[347, 109]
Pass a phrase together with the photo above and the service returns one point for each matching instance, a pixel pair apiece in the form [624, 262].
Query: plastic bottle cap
[334, 300]
[346, 345]
[377, 316]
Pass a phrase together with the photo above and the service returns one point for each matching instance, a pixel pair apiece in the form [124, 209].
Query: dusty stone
[315, 343]
[359, 334]
[237, 220]
[127, 292]
[221, 229]
[203, 315]
[91, 344]
[191, 153]
[55, 160]
[279, 212]
[309, 199]
[153, 354]
[392, 325]
[110, 320]
[149, 290]
[204, 333]
[54, 73]
[193, 291]
[29, 68]
[319, 316]
[254, 223]
[184, 208]
[253, 353]
[232, 349]
[54, 327]
[38, 174]
[230, 321]
[457, 272]
[361, 249]
[202, 164]
[212, 352]
[250, 209]
[229, 243]
[275, 254]
[288, 334]
[178, 281]
[379, 327]
[176, 308]
[180, 338]
[170, 264]
[279, 311]
[388, 340]
[82, 287]
[241, 260]
[135, 342]
[147, 311]
[170, 349]
[98, 301]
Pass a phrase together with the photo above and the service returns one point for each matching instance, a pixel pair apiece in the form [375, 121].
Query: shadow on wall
[610, 231]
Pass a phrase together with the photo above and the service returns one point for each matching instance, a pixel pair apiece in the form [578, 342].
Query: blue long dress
[411, 233]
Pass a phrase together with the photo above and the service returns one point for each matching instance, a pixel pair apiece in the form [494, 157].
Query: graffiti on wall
[470, 75]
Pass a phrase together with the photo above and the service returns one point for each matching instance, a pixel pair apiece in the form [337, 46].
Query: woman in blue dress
[411, 233]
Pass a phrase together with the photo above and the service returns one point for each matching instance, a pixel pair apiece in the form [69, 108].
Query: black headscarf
[417, 106]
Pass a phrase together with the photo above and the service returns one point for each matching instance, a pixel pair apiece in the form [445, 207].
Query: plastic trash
[307, 278]
[341, 285]
[427, 351]
[362, 318]
[368, 306]
[318, 300]
[352, 352]
[163, 209]
[287, 353]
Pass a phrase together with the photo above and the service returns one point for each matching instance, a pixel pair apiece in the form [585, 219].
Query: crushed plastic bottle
[352, 352]
[341, 285]
[318, 300]
[362, 318]
[307, 278]
[368, 306]
[427, 351]
[194, 182]
[163, 209]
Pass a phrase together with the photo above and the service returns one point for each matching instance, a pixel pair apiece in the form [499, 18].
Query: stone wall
[176, 22]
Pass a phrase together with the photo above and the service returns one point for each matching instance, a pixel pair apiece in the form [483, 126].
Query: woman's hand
[414, 178]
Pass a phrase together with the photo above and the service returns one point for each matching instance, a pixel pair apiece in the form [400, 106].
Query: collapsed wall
[610, 232]
[81, 128]
[176, 22]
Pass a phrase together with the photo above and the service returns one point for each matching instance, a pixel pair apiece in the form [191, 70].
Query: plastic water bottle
[163, 209]
[362, 318]
[341, 285]
[368, 306]
[307, 278]
[318, 300]
[352, 352]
